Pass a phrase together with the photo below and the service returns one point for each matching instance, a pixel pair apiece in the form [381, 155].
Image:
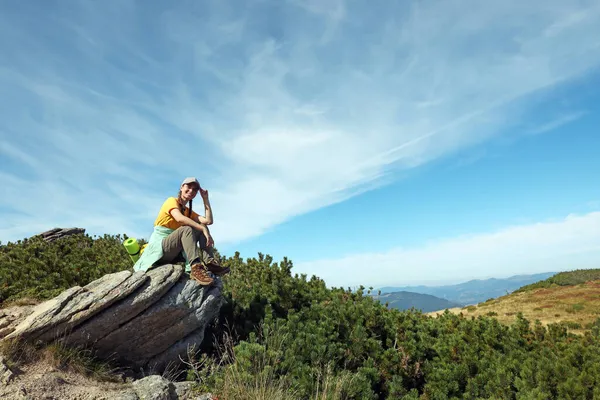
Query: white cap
[190, 179]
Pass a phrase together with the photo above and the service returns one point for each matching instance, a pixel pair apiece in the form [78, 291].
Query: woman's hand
[204, 194]
[209, 240]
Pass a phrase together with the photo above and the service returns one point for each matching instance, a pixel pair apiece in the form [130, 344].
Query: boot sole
[203, 283]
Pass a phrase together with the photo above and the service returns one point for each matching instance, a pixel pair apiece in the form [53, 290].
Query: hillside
[407, 300]
[565, 279]
[571, 299]
[473, 291]
[282, 335]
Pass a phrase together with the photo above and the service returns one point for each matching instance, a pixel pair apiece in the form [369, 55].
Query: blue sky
[384, 143]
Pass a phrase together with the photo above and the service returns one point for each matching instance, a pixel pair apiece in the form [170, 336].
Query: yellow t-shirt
[164, 217]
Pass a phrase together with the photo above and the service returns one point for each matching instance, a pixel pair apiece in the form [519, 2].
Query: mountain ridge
[404, 300]
[473, 291]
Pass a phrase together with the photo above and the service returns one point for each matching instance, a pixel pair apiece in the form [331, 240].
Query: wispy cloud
[557, 122]
[279, 108]
[567, 244]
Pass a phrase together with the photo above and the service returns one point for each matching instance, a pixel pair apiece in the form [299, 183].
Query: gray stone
[10, 317]
[57, 233]
[140, 321]
[56, 317]
[6, 331]
[199, 318]
[183, 389]
[155, 387]
[43, 314]
[159, 281]
[126, 395]
[101, 296]
[205, 396]
[6, 375]
[50, 232]
[185, 308]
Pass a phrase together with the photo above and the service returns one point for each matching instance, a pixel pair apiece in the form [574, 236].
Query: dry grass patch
[577, 306]
[24, 301]
[55, 372]
[19, 354]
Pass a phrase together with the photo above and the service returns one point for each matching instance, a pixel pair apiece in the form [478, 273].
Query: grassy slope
[572, 298]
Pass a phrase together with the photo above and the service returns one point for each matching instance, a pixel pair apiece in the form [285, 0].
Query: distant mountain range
[471, 292]
[569, 298]
[406, 300]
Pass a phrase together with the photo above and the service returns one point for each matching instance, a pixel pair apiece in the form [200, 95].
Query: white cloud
[279, 111]
[567, 244]
[557, 122]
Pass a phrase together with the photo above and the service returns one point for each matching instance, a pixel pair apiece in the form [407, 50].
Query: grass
[24, 301]
[256, 377]
[19, 353]
[577, 306]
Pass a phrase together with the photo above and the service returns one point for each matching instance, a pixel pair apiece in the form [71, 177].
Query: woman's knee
[191, 232]
[186, 229]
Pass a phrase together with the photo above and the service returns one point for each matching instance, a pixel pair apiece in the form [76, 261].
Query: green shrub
[36, 269]
[572, 324]
[292, 336]
[395, 354]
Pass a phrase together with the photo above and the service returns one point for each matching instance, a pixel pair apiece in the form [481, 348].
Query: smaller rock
[183, 389]
[50, 232]
[126, 395]
[6, 375]
[10, 317]
[205, 396]
[57, 233]
[155, 387]
[6, 331]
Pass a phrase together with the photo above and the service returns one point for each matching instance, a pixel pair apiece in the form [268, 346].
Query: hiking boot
[213, 266]
[199, 274]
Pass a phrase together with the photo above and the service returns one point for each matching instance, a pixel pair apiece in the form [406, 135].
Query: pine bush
[302, 336]
[34, 268]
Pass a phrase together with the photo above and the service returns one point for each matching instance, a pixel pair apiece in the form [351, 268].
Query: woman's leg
[184, 239]
[208, 258]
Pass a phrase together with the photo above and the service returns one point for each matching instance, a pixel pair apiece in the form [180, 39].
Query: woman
[177, 230]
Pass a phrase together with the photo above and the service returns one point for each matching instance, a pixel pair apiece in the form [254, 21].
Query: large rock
[57, 317]
[141, 320]
[149, 337]
[159, 281]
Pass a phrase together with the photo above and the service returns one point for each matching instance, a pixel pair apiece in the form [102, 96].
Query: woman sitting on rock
[177, 230]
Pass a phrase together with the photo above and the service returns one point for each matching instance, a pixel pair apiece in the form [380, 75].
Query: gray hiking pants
[185, 239]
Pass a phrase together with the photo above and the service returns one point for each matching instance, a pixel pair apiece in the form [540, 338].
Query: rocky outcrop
[141, 320]
[6, 375]
[156, 387]
[11, 316]
[57, 233]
